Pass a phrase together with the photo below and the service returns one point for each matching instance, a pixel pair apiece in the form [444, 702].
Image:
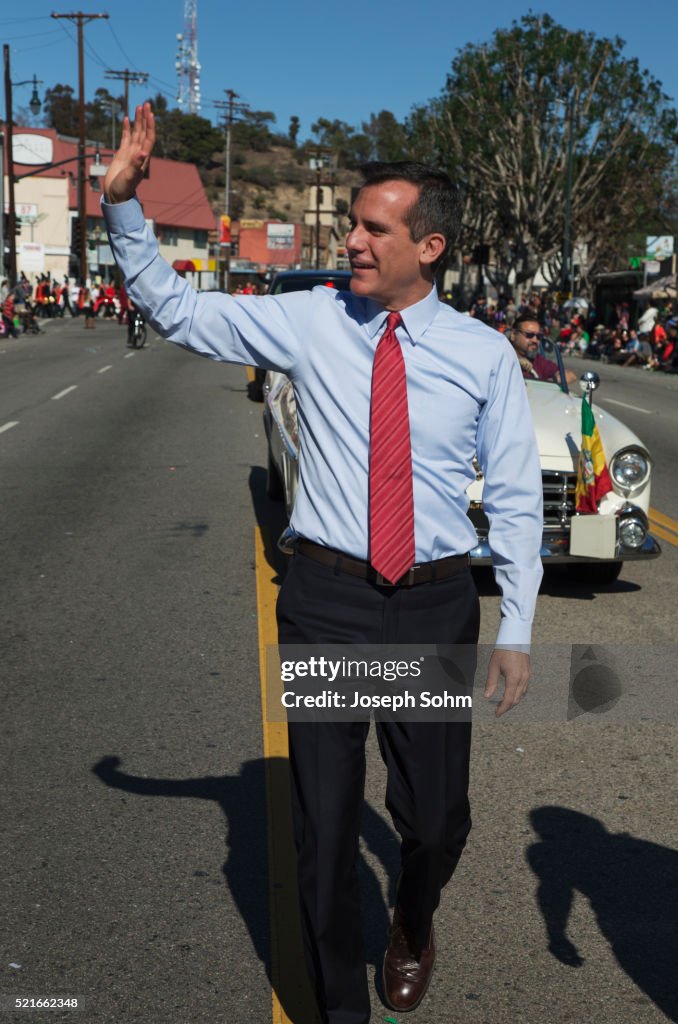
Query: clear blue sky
[314, 60]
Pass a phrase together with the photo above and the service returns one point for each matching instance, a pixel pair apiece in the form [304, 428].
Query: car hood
[557, 423]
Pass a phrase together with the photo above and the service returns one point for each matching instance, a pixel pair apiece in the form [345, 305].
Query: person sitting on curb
[632, 349]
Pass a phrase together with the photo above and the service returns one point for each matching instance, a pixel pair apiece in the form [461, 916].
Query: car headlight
[633, 527]
[630, 469]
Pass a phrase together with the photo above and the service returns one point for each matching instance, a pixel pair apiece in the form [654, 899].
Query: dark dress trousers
[427, 765]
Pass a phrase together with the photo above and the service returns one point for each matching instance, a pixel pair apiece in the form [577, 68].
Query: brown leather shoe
[407, 970]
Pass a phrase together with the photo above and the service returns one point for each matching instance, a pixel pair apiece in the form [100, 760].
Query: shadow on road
[271, 520]
[631, 885]
[556, 583]
[243, 800]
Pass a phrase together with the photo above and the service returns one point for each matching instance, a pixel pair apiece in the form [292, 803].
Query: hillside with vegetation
[270, 170]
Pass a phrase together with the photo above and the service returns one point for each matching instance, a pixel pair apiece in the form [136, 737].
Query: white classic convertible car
[594, 547]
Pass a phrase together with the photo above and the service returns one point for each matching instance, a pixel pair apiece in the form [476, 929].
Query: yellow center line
[659, 531]
[292, 1002]
[663, 520]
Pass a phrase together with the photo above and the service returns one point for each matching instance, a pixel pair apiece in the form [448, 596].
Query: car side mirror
[589, 382]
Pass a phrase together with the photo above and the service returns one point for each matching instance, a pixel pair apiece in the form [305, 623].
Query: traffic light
[5, 225]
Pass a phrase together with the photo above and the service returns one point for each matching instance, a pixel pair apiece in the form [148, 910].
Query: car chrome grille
[559, 505]
[559, 499]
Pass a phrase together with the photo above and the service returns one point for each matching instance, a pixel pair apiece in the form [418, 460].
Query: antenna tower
[187, 63]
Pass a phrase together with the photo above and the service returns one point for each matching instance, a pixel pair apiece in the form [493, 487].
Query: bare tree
[514, 111]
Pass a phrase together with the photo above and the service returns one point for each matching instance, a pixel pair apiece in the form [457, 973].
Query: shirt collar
[416, 318]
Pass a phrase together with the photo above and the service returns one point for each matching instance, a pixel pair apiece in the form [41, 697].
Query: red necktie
[391, 500]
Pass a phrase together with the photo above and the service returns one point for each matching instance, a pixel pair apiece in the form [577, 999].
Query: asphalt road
[134, 861]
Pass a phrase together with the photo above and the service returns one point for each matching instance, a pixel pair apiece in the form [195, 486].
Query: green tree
[348, 147]
[252, 130]
[186, 137]
[503, 125]
[99, 115]
[60, 109]
[293, 129]
[387, 136]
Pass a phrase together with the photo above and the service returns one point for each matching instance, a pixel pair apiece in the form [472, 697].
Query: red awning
[182, 266]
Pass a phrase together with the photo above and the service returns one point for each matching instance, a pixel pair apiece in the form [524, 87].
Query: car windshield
[303, 282]
[551, 350]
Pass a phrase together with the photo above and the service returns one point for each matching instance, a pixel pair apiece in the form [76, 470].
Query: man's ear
[432, 248]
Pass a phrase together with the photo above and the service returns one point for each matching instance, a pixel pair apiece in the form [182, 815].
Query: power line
[29, 49]
[81, 19]
[95, 56]
[91, 52]
[32, 35]
[127, 76]
[120, 47]
[22, 21]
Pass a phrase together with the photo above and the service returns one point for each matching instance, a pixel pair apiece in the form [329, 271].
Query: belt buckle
[407, 580]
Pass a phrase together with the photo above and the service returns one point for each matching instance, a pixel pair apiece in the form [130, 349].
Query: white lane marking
[636, 408]
[104, 368]
[64, 392]
[130, 355]
[8, 426]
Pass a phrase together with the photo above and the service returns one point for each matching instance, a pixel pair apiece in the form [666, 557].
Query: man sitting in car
[525, 337]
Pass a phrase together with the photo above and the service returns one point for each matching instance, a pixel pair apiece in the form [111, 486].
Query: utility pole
[11, 219]
[233, 110]
[9, 145]
[81, 18]
[2, 204]
[319, 165]
[318, 199]
[127, 76]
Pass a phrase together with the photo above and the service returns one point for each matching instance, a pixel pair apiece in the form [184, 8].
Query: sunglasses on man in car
[531, 334]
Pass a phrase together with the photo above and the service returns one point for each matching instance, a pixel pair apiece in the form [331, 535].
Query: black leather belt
[425, 572]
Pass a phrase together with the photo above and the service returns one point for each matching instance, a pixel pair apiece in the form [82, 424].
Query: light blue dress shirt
[465, 393]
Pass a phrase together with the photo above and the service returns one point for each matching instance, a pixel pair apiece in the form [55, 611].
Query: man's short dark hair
[438, 208]
[526, 318]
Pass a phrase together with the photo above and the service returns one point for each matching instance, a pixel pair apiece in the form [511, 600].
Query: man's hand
[130, 162]
[515, 668]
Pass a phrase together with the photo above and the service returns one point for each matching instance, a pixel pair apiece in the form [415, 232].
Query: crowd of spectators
[649, 339]
[47, 297]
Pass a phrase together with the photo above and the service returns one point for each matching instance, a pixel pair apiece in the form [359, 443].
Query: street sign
[31, 257]
[32, 149]
[658, 247]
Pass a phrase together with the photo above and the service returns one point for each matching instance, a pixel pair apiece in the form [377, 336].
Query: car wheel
[274, 485]
[592, 572]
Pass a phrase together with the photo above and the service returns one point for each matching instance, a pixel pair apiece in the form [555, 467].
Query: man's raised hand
[130, 162]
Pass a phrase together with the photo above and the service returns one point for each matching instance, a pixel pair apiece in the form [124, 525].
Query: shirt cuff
[514, 635]
[122, 218]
